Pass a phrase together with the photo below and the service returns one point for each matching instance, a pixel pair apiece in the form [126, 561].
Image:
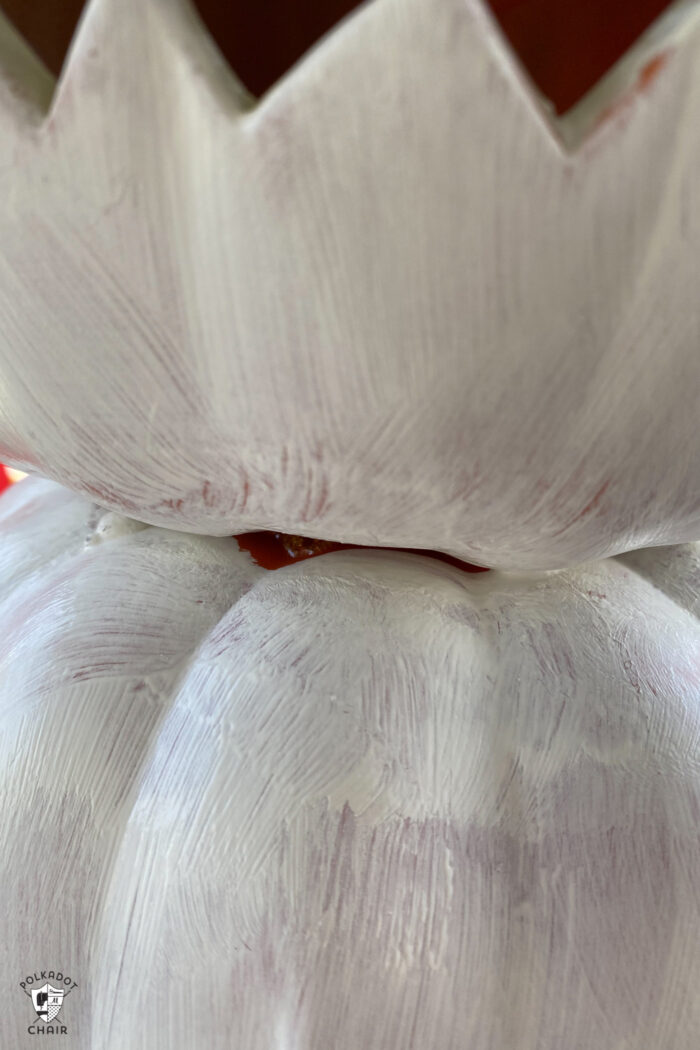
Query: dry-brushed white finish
[367, 802]
[384, 304]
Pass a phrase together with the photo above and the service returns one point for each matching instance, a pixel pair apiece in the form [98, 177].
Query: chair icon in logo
[47, 1001]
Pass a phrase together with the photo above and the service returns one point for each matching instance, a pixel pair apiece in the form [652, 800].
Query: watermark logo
[47, 999]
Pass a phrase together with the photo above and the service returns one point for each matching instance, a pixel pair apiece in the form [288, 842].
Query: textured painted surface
[383, 305]
[363, 801]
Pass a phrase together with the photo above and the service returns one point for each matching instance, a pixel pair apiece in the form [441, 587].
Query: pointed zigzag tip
[165, 35]
[26, 85]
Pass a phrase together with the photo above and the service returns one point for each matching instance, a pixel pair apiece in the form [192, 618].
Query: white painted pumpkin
[392, 302]
[367, 801]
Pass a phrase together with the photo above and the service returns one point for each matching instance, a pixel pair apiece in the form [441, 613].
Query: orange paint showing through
[276, 550]
[651, 70]
[588, 509]
[592, 504]
[646, 78]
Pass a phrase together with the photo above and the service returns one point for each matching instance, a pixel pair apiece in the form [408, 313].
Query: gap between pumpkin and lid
[276, 550]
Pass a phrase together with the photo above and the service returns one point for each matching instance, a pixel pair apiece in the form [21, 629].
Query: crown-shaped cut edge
[32, 87]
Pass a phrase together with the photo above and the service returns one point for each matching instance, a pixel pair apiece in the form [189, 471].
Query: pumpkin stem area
[276, 550]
